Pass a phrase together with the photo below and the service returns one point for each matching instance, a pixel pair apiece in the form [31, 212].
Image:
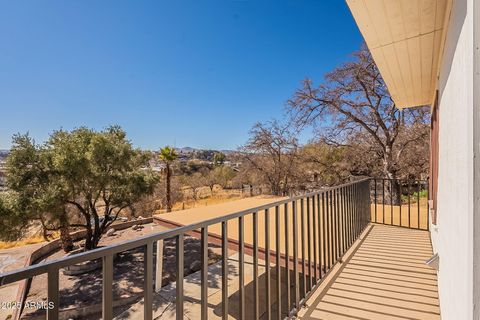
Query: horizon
[183, 73]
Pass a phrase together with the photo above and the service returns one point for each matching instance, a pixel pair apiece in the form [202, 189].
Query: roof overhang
[406, 39]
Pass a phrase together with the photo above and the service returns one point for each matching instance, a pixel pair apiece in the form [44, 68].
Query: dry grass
[401, 215]
[220, 197]
[30, 240]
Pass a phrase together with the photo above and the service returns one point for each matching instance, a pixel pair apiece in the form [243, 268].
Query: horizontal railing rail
[400, 202]
[303, 237]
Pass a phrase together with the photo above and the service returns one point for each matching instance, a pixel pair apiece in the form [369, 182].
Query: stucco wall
[476, 164]
[452, 238]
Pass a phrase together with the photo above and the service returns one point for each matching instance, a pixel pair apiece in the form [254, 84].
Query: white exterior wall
[452, 238]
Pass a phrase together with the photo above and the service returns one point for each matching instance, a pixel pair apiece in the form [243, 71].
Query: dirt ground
[219, 196]
[415, 215]
[86, 289]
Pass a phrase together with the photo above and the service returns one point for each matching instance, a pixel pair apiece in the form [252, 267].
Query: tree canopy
[95, 174]
[168, 155]
[12, 222]
[352, 108]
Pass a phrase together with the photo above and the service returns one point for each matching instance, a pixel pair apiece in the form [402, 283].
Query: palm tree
[168, 155]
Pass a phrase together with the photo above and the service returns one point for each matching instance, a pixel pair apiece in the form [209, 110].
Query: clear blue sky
[191, 73]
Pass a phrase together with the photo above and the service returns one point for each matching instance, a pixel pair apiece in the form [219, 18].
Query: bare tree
[353, 103]
[272, 151]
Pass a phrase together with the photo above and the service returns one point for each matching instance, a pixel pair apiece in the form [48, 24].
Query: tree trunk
[65, 238]
[88, 237]
[168, 195]
[67, 242]
[45, 233]
[276, 189]
[393, 185]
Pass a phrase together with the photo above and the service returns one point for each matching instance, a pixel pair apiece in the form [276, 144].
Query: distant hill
[186, 150]
[192, 150]
[4, 154]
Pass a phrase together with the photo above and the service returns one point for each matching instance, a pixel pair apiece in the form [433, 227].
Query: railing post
[225, 270]
[383, 199]
[309, 246]
[315, 239]
[391, 199]
[320, 237]
[350, 215]
[418, 203]
[334, 226]
[295, 254]
[367, 214]
[363, 202]
[375, 198]
[328, 235]
[344, 220]
[148, 281]
[107, 282]
[267, 265]
[302, 242]
[428, 204]
[339, 223]
[159, 266]
[204, 274]
[357, 210]
[287, 257]
[180, 266]
[324, 235]
[255, 266]
[408, 191]
[399, 182]
[52, 294]
[277, 262]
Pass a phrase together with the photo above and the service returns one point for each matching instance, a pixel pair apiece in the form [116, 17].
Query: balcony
[383, 277]
[329, 256]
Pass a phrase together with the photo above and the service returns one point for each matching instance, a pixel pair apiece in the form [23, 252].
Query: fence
[402, 203]
[300, 239]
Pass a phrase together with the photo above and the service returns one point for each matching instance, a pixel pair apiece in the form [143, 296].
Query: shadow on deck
[385, 277]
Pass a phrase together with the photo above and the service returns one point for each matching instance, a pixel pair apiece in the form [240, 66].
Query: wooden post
[159, 266]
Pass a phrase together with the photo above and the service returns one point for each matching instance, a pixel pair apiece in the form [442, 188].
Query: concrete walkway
[385, 278]
[164, 306]
[12, 259]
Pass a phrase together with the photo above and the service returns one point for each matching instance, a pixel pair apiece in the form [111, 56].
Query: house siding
[452, 237]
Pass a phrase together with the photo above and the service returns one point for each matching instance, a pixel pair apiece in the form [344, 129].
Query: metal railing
[310, 234]
[402, 203]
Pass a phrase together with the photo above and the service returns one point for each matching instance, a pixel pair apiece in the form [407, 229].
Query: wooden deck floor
[384, 278]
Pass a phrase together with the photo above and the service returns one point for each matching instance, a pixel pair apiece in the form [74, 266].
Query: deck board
[384, 278]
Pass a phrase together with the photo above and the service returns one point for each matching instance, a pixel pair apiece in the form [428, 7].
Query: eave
[406, 39]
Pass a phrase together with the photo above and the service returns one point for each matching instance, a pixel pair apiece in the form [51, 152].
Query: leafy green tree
[168, 155]
[30, 176]
[221, 175]
[328, 165]
[219, 158]
[95, 174]
[12, 222]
